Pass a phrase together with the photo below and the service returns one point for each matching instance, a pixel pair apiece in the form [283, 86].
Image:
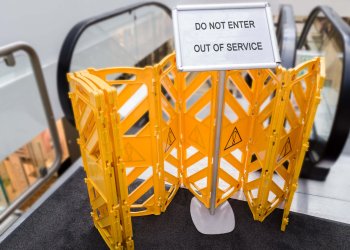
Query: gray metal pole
[219, 111]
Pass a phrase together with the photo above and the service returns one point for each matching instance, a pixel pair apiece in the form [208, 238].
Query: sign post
[222, 37]
[219, 108]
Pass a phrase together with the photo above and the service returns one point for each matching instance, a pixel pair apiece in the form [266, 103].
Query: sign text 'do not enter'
[225, 36]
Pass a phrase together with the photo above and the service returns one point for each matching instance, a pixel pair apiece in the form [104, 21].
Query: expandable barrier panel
[104, 181]
[144, 137]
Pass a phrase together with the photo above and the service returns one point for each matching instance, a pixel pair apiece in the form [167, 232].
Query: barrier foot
[221, 222]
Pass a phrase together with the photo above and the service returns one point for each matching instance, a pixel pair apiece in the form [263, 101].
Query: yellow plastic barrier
[282, 111]
[142, 138]
[104, 181]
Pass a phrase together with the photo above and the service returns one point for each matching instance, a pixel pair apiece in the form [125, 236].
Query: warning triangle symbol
[287, 148]
[131, 154]
[197, 137]
[170, 140]
[234, 139]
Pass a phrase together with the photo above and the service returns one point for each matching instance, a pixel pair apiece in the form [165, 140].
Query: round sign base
[223, 221]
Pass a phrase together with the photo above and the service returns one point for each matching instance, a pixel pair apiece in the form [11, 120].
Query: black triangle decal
[170, 140]
[287, 148]
[234, 139]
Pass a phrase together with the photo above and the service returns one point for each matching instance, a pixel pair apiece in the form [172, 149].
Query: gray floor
[329, 199]
[174, 229]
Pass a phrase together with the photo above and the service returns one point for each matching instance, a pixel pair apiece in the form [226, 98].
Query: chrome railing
[329, 149]
[7, 53]
[287, 36]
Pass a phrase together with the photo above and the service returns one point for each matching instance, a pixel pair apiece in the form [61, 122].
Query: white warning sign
[224, 36]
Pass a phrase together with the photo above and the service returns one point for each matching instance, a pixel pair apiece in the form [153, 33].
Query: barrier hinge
[154, 89]
[306, 145]
[274, 137]
[156, 131]
[115, 211]
[125, 207]
[109, 169]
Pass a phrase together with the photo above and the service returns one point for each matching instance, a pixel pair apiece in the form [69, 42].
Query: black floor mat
[64, 222]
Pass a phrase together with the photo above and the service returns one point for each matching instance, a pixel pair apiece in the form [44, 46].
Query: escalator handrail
[287, 35]
[71, 40]
[10, 49]
[341, 124]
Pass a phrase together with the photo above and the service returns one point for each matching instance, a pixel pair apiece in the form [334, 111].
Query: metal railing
[318, 169]
[7, 53]
[287, 36]
[70, 42]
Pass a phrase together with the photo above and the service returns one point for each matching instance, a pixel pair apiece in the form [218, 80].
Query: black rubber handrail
[287, 36]
[341, 123]
[67, 50]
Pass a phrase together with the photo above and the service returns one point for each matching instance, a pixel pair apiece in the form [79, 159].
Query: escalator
[77, 53]
[124, 37]
[118, 38]
[286, 36]
[326, 34]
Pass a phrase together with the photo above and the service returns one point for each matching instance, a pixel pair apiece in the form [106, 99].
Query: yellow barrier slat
[195, 84]
[172, 160]
[195, 108]
[136, 172]
[134, 116]
[140, 190]
[170, 178]
[231, 159]
[167, 107]
[234, 105]
[199, 175]
[194, 158]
